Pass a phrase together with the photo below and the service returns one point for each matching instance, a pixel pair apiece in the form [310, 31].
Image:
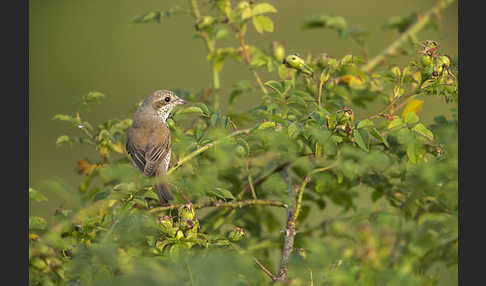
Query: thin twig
[248, 61]
[233, 204]
[419, 25]
[390, 105]
[268, 272]
[206, 147]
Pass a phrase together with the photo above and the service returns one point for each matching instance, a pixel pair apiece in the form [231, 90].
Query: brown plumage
[148, 139]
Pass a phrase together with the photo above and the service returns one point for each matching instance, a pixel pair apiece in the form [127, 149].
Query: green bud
[179, 234]
[186, 212]
[240, 151]
[426, 60]
[444, 60]
[204, 22]
[278, 51]
[236, 234]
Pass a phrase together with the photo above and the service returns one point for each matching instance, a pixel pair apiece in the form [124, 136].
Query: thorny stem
[419, 25]
[319, 95]
[391, 104]
[233, 204]
[206, 147]
[292, 214]
[289, 232]
[248, 61]
[300, 194]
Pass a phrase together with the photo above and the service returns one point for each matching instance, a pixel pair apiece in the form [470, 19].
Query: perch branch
[206, 147]
[419, 25]
[233, 204]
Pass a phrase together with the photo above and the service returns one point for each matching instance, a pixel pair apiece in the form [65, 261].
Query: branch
[292, 215]
[391, 104]
[419, 25]
[268, 272]
[233, 204]
[206, 147]
[248, 61]
[289, 232]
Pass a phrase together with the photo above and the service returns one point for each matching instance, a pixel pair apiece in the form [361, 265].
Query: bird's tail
[162, 189]
[164, 193]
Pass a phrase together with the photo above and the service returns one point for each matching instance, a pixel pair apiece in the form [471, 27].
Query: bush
[251, 187]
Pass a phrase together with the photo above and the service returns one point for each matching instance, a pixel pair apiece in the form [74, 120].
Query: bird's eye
[167, 99]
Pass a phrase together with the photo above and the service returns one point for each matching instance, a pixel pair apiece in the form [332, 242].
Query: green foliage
[302, 148]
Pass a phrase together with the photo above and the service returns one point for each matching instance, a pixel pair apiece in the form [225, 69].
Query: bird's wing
[137, 155]
[155, 155]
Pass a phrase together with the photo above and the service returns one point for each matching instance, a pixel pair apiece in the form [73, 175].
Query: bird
[148, 138]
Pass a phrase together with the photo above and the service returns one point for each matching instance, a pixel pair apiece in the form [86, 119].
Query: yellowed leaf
[414, 105]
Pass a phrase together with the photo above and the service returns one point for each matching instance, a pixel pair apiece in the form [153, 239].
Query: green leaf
[263, 8]
[395, 123]
[275, 85]
[423, 131]
[263, 23]
[412, 153]
[221, 193]
[361, 138]
[293, 130]
[411, 118]
[203, 107]
[192, 109]
[36, 222]
[37, 196]
[63, 139]
[266, 125]
[374, 132]
[94, 96]
[365, 123]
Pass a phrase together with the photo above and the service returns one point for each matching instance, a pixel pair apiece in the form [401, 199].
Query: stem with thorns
[220, 204]
[417, 27]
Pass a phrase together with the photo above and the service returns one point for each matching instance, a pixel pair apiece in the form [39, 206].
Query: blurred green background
[77, 46]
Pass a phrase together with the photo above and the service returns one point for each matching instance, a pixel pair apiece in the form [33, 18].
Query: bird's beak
[180, 101]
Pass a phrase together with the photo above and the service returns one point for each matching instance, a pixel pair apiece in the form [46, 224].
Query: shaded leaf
[37, 196]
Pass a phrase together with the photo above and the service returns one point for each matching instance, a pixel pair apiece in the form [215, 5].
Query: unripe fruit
[426, 60]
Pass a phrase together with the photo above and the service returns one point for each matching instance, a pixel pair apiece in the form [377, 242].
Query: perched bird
[148, 139]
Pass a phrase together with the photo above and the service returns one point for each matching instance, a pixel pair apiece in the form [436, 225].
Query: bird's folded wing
[137, 155]
[155, 155]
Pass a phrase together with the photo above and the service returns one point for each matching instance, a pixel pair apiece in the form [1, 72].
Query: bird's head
[161, 103]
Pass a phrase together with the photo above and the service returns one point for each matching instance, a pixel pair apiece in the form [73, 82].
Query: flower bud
[166, 225]
[204, 22]
[186, 212]
[236, 234]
